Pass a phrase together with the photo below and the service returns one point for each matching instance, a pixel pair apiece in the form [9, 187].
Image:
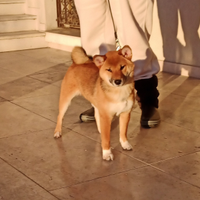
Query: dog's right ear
[99, 60]
[126, 52]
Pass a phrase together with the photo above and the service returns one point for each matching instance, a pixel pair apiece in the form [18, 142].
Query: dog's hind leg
[123, 126]
[66, 96]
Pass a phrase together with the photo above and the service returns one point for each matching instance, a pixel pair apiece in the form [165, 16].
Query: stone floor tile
[88, 129]
[7, 76]
[28, 67]
[50, 89]
[141, 184]
[9, 59]
[20, 87]
[16, 120]
[180, 111]
[190, 88]
[164, 142]
[15, 186]
[52, 55]
[165, 79]
[2, 99]
[57, 83]
[56, 163]
[170, 81]
[179, 85]
[185, 167]
[52, 74]
[31, 61]
[61, 67]
[47, 106]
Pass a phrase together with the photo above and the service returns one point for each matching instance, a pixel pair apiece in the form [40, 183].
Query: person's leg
[147, 97]
[97, 32]
[133, 20]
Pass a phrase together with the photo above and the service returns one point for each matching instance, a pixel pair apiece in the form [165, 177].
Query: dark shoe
[150, 117]
[87, 116]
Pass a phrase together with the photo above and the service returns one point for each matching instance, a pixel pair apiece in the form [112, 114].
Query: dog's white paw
[126, 145]
[107, 155]
[57, 134]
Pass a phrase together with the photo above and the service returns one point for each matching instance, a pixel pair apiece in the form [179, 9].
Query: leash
[117, 44]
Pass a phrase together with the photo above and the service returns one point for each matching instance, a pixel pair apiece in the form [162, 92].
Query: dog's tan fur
[107, 82]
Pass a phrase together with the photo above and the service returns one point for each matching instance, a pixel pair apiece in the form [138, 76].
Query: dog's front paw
[57, 134]
[126, 145]
[107, 155]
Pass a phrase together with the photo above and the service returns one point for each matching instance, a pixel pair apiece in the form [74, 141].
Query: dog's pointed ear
[126, 52]
[99, 60]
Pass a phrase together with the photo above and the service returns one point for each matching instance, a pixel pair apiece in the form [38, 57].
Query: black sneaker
[150, 117]
[87, 116]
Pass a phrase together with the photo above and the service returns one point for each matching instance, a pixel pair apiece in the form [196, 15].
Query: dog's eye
[109, 70]
[122, 67]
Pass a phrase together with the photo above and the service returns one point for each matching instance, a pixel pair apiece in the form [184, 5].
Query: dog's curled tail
[79, 55]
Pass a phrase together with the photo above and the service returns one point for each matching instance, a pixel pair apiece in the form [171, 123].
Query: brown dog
[107, 82]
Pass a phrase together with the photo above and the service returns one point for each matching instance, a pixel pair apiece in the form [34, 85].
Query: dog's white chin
[120, 85]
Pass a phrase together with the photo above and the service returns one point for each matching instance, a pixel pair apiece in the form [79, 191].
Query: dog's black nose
[118, 82]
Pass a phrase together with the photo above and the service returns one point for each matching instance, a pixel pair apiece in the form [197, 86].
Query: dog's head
[116, 67]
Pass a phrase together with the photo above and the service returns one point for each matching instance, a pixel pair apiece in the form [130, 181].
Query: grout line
[177, 125]
[126, 171]
[172, 158]
[43, 71]
[167, 173]
[102, 177]
[32, 112]
[30, 76]
[25, 133]
[29, 178]
[83, 135]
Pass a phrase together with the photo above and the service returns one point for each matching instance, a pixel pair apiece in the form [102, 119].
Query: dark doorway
[67, 16]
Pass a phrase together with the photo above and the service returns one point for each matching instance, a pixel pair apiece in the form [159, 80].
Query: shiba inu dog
[107, 82]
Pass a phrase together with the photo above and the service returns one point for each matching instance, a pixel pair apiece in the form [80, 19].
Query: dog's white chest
[122, 100]
[120, 107]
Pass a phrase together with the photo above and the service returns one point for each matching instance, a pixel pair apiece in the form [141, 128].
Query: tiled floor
[164, 163]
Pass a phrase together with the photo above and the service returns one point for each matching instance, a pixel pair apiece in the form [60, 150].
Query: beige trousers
[133, 23]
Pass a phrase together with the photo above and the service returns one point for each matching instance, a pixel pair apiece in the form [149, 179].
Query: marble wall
[176, 33]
